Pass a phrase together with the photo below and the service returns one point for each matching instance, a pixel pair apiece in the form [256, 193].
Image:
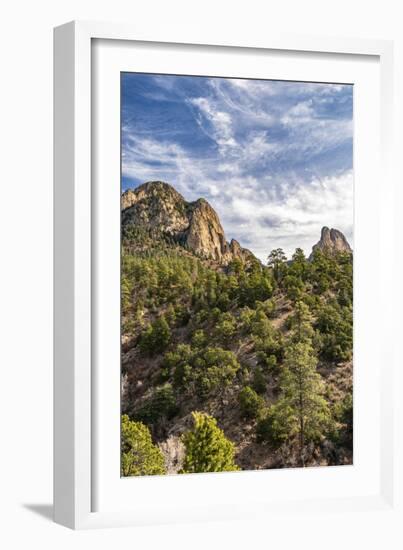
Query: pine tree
[161, 334]
[301, 324]
[139, 456]
[207, 449]
[301, 410]
[299, 256]
[276, 260]
[300, 265]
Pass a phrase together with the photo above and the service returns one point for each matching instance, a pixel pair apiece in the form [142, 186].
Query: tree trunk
[301, 440]
[301, 424]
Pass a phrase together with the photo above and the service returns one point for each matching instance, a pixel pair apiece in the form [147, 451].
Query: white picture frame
[78, 208]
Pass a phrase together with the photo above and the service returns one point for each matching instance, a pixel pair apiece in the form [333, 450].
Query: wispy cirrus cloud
[273, 158]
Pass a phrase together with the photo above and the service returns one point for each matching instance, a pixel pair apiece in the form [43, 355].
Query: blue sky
[273, 158]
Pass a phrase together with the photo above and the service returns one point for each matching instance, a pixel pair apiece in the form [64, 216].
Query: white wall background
[26, 263]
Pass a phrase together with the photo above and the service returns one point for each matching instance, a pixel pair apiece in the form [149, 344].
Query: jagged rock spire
[331, 241]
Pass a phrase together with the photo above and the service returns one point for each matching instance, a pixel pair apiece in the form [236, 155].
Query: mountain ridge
[157, 205]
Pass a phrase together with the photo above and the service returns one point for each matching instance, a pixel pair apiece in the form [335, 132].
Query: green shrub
[254, 286]
[293, 287]
[216, 370]
[268, 429]
[223, 301]
[259, 381]
[268, 307]
[246, 317]
[343, 416]
[199, 339]
[335, 325]
[269, 363]
[225, 329]
[178, 362]
[161, 404]
[249, 402]
[139, 456]
[156, 337]
[206, 447]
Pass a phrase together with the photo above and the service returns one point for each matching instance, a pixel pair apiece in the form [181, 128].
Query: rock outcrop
[331, 241]
[155, 205]
[205, 235]
[158, 206]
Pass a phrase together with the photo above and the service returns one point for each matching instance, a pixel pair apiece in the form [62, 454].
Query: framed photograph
[221, 291]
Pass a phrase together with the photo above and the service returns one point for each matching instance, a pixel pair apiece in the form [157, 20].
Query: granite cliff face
[157, 205]
[205, 234]
[331, 241]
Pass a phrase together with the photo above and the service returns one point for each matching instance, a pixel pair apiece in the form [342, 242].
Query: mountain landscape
[229, 363]
[156, 206]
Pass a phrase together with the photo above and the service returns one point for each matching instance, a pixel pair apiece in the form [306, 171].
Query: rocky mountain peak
[148, 190]
[157, 205]
[331, 241]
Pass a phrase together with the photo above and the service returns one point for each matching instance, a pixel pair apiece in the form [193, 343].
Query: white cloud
[261, 221]
[220, 123]
[301, 112]
[260, 213]
[244, 116]
[261, 131]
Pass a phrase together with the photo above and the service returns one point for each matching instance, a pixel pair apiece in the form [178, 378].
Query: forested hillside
[229, 363]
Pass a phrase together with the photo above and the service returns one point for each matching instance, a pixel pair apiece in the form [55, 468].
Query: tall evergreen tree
[301, 410]
[301, 324]
[276, 260]
[161, 334]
